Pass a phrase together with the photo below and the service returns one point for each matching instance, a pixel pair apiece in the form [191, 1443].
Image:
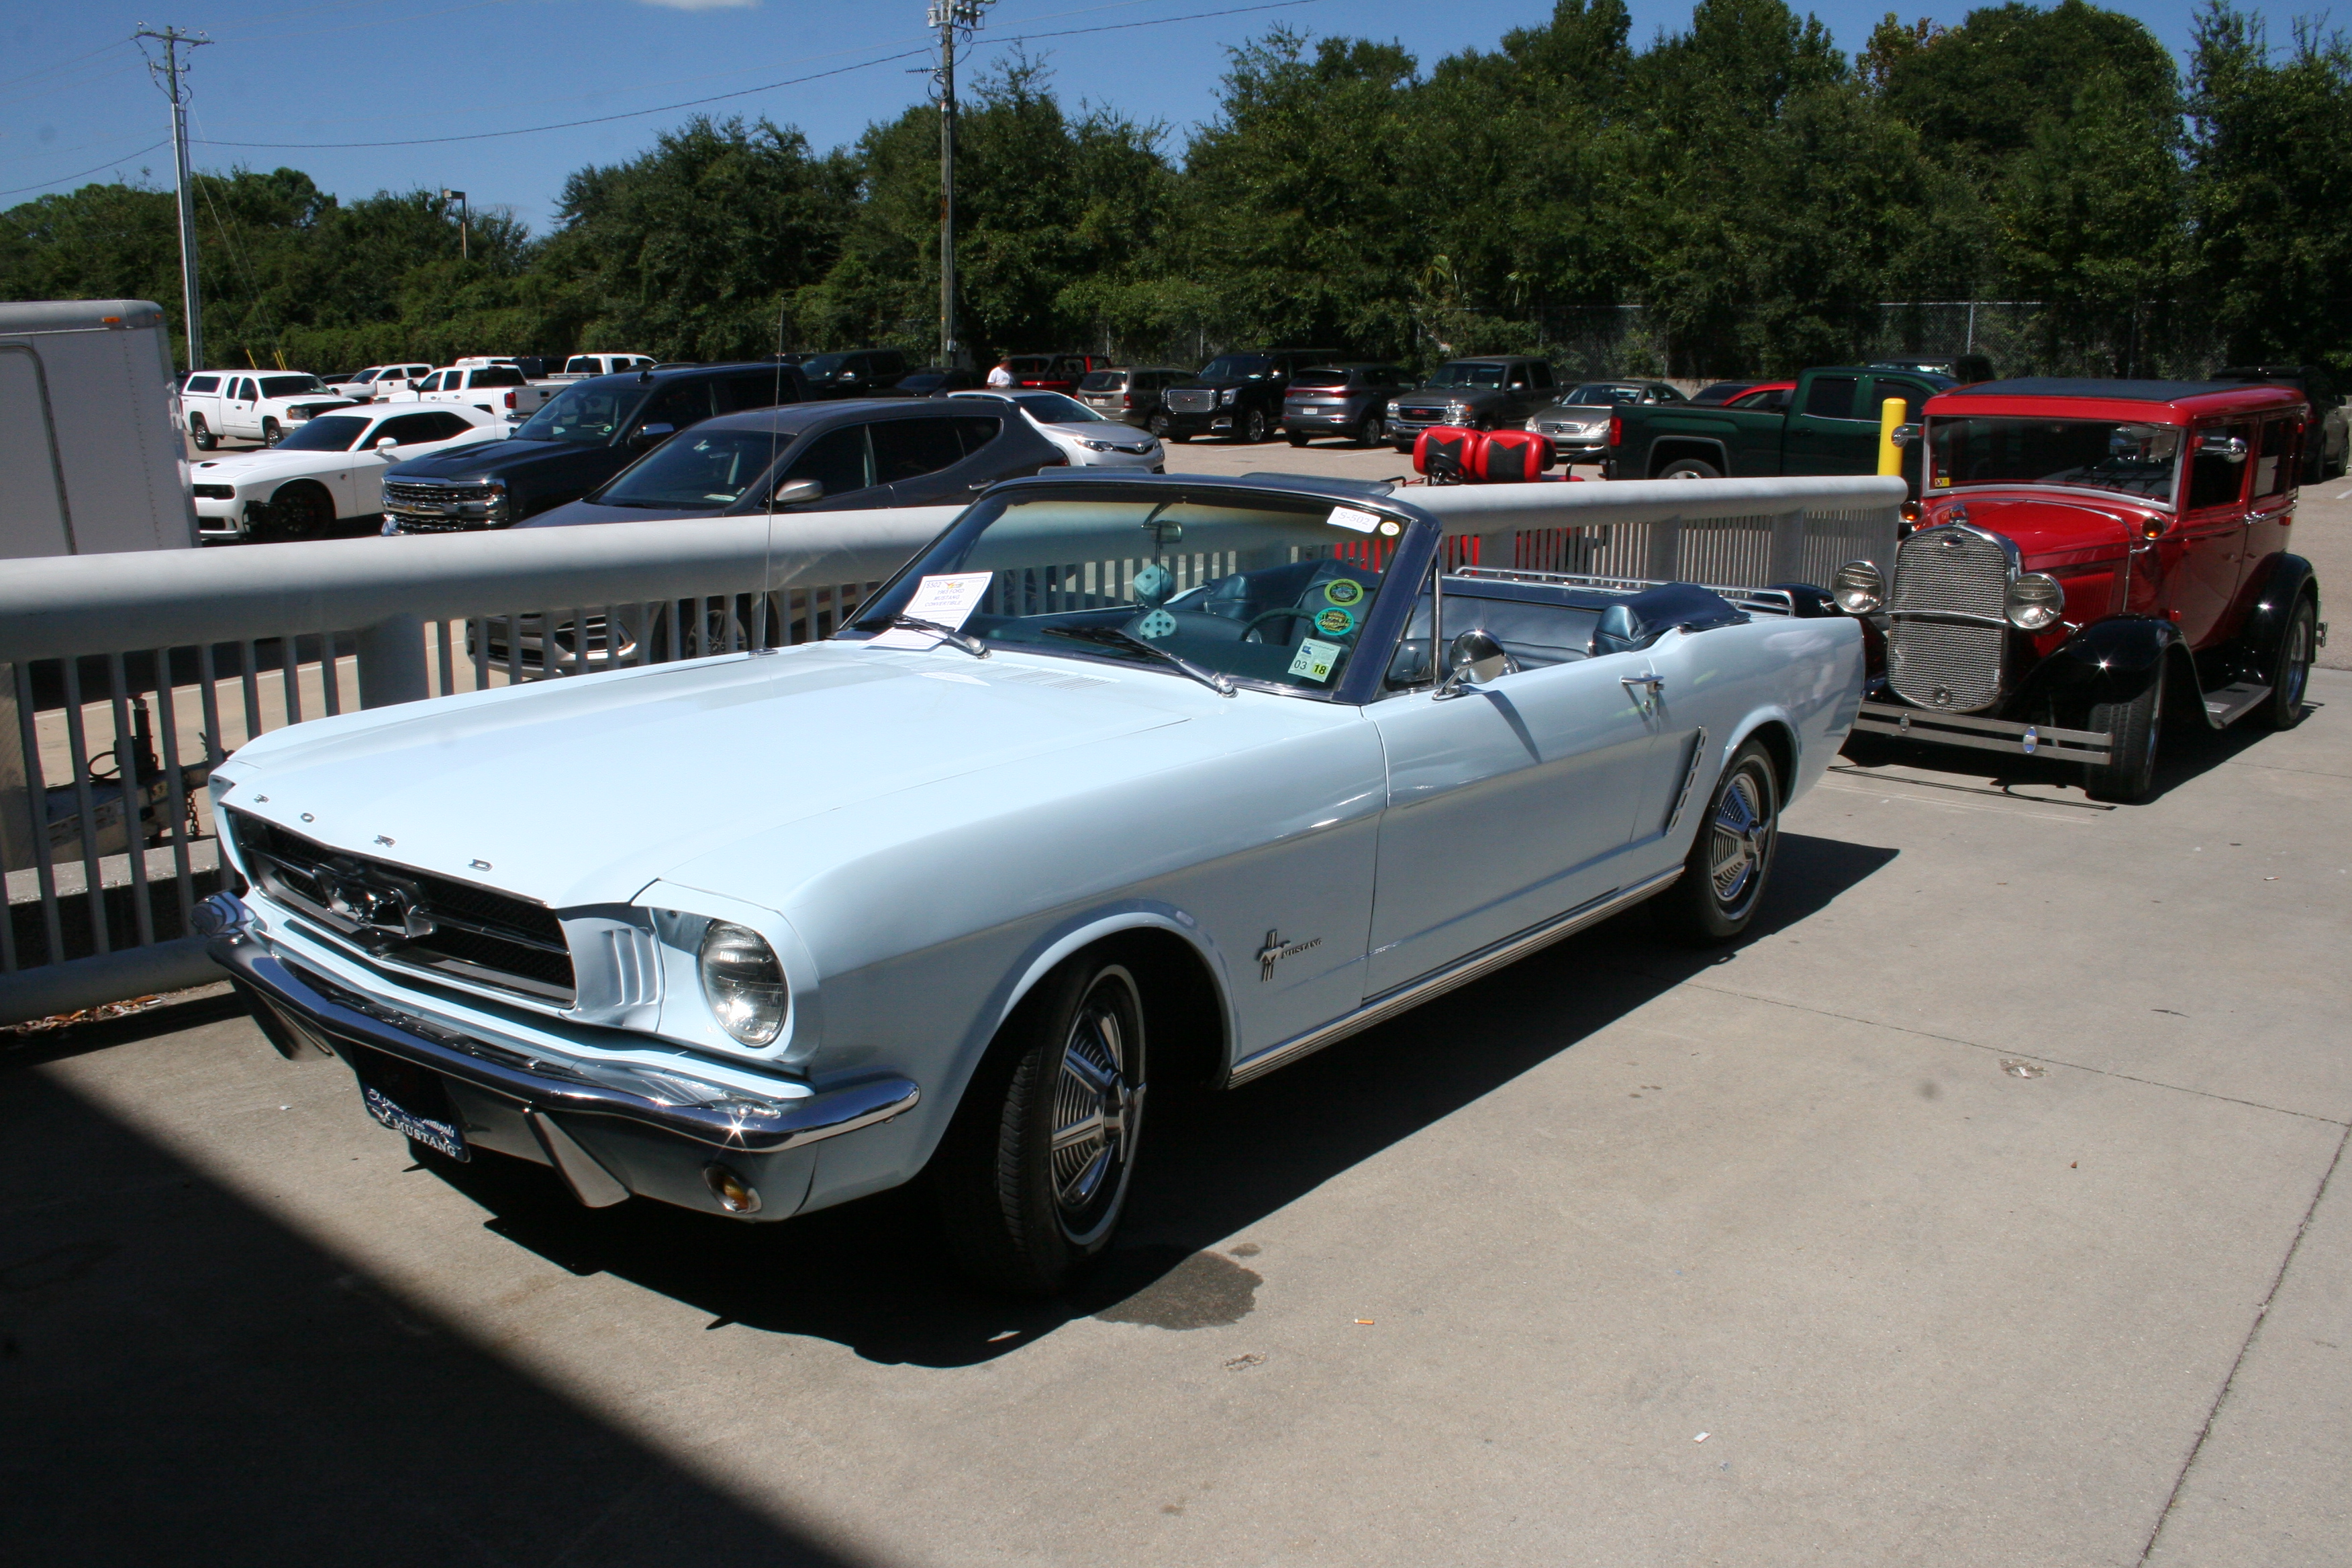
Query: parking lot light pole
[463, 214]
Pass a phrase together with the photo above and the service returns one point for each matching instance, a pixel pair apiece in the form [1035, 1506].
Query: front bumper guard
[2089, 746]
[303, 1013]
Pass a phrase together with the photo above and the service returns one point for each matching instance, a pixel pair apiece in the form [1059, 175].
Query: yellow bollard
[1891, 414]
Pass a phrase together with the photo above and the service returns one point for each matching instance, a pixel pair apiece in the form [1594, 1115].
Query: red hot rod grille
[1953, 665]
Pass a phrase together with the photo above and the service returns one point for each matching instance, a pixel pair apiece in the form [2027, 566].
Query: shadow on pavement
[870, 1274]
[187, 1380]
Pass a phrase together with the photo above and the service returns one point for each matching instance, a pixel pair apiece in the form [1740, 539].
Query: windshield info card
[947, 600]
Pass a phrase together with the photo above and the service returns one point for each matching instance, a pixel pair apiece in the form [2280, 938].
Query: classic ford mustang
[1122, 780]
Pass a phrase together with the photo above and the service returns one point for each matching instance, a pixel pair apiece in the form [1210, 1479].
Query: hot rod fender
[2107, 661]
[2289, 577]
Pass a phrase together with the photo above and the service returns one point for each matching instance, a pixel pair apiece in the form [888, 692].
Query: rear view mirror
[799, 492]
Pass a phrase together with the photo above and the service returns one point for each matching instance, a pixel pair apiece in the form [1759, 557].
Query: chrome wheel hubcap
[1740, 839]
[1095, 1104]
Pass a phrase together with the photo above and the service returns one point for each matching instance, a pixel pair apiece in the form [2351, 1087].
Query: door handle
[1651, 688]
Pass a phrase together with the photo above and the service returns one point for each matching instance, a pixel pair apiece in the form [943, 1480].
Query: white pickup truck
[251, 404]
[380, 381]
[499, 390]
[580, 368]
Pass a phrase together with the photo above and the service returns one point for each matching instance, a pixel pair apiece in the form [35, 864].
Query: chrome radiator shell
[1946, 635]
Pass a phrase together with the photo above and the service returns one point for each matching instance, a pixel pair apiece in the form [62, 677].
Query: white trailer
[91, 457]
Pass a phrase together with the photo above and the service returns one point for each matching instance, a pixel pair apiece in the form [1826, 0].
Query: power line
[74, 60]
[749, 91]
[110, 162]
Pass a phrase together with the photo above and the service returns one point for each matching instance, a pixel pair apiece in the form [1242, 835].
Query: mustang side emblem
[1274, 953]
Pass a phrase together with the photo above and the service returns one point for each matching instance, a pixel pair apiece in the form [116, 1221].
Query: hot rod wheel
[2134, 728]
[2290, 671]
[1731, 858]
[1032, 1176]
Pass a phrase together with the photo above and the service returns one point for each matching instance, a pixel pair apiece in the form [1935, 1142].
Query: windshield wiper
[964, 640]
[1201, 673]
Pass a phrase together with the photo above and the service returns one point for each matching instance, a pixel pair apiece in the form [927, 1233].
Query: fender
[2289, 577]
[1810, 602]
[2112, 660]
[1707, 448]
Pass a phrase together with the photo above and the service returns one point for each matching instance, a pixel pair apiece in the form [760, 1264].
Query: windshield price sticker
[948, 600]
[1349, 517]
[1315, 658]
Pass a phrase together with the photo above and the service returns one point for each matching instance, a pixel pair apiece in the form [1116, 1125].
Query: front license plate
[410, 1101]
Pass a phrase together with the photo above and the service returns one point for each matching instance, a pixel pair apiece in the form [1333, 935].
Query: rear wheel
[2133, 730]
[1032, 1176]
[2290, 671]
[1689, 469]
[1730, 861]
[202, 434]
[1372, 431]
[303, 511]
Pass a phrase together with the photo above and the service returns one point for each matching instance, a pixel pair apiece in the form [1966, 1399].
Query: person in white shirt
[1002, 375]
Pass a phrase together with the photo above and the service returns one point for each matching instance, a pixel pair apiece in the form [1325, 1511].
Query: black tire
[270, 434]
[1295, 438]
[2290, 668]
[202, 434]
[1021, 1214]
[1689, 469]
[2137, 728]
[1253, 427]
[1373, 431]
[1160, 425]
[1178, 435]
[302, 511]
[1730, 860]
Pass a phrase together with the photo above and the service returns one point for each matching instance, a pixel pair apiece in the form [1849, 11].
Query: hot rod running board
[2224, 707]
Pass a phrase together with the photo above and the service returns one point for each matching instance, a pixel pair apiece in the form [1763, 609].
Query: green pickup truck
[1831, 426]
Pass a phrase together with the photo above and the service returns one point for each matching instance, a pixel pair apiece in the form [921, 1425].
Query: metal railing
[124, 679]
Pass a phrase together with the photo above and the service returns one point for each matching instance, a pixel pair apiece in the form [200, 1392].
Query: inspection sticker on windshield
[1315, 658]
[948, 600]
[1349, 517]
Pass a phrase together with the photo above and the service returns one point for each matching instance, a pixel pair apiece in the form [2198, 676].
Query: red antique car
[2091, 558]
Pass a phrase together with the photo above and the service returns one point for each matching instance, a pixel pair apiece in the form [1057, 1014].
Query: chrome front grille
[1947, 635]
[1190, 399]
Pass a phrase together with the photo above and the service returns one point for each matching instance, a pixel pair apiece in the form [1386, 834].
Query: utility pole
[948, 16]
[463, 214]
[171, 77]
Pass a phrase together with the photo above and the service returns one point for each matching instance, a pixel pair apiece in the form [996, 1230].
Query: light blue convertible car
[1122, 780]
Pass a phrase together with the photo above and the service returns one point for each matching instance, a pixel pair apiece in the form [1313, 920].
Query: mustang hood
[583, 791]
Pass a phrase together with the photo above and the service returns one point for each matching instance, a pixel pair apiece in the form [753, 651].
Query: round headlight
[2035, 601]
[743, 983]
[1858, 588]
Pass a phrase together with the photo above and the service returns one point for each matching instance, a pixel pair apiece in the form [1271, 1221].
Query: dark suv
[821, 457]
[1484, 394]
[1350, 400]
[1238, 396]
[590, 431]
[859, 373]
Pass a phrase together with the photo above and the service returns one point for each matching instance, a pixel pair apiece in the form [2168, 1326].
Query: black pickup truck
[1831, 426]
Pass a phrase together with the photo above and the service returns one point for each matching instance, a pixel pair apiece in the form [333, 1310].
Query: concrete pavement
[1977, 1211]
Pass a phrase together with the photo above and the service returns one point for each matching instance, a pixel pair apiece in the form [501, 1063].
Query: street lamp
[459, 197]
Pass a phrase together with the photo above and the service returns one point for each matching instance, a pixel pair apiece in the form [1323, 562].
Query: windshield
[289, 385]
[819, 366]
[1053, 408]
[697, 471]
[1103, 381]
[585, 415]
[1235, 367]
[329, 433]
[1467, 375]
[1595, 394]
[1320, 378]
[2134, 459]
[1264, 591]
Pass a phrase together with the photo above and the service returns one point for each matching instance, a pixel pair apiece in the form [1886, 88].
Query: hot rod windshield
[1253, 589]
[2127, 456]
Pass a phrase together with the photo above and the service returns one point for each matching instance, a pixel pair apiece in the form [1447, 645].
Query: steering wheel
[1259, 621]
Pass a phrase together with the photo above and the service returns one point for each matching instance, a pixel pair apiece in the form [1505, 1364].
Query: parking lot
[1977, 1210]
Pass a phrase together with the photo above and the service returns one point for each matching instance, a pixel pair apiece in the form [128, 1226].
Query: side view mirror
[847, 375]
[1904, 435]
[648, 435]
[799, 492]
[1472, 659]
[2228, 448]
[386, 444]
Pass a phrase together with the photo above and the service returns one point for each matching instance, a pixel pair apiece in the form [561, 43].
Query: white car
[1086, 439]
[380, 381]
[499, 390]
[254, 404]
[329, 470]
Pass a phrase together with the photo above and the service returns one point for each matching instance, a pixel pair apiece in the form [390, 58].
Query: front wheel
[1032, 1176]
[2133, 730]
[1160, 424]
[1730, 861]
[1253, 426]
[270, 434]
[1689, 469]
[2290, 670]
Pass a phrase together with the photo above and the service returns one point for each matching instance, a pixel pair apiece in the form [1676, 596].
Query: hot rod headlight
[2035, 601]
[743, 982]
[1858, 588]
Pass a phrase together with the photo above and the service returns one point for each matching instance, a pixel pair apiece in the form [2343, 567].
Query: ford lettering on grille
[1946, 639]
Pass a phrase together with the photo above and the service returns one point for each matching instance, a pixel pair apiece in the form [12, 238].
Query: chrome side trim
[1984, 734]
[1414, 993]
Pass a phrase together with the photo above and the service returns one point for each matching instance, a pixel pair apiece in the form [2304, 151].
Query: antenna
[949, 17]
[171, 74]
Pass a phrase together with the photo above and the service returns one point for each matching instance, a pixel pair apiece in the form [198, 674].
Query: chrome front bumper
[1985, 734]
[611, 1130]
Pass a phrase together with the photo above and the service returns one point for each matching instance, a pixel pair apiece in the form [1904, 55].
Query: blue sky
[77, 105]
